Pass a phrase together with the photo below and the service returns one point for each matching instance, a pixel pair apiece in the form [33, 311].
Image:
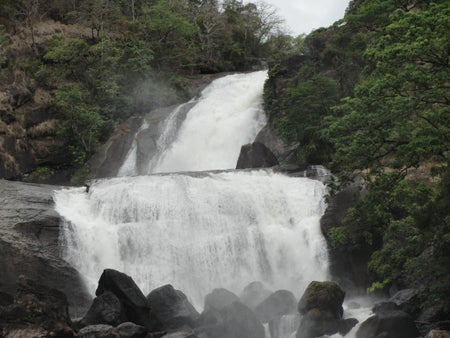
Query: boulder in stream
[219, 299]
[321, 307]
[232, 321]
[172, 308]
[278, 304]
[253, 294]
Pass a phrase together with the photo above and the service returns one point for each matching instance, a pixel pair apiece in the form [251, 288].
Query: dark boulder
[286, 153]
[232, 321]
[172, 308]
[125, 289]
[219, 299]
[278, 304]
[105, 309]
[37, 310]
[253, 294]
[256, 155]
[388, 324]
[321, 307]
[326, 297]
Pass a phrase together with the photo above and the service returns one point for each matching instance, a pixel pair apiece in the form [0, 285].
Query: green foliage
[400, 116]
[81, 175]
[82, 124]
[306, 105]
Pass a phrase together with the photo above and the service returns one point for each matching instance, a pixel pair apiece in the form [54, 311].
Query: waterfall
[198, 232]
[197, 229]
[227, 115]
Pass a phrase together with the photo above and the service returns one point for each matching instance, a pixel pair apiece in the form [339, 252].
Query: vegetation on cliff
[88, 65]
[370, 97]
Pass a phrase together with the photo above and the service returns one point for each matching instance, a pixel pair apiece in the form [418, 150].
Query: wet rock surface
[29, 232]
[256, 155]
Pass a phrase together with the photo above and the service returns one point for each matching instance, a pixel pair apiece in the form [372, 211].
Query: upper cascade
[227, 115]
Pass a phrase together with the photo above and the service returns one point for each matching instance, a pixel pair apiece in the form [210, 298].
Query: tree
[82, 125]
[400, 115]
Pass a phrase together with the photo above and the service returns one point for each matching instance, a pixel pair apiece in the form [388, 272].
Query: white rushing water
[198, 233]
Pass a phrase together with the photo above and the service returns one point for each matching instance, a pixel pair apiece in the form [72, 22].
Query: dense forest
[367, 97]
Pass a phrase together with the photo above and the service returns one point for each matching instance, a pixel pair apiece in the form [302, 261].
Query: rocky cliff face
[28, 138]
[29, 229]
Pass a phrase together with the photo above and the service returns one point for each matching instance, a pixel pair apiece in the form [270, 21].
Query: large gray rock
[286, 153]
[388, 324]
[232, 321]
[256, 155]
[105, 309]
[172, 308]
[253, 294]
[278, 304]
[219, 299]
[29, 236]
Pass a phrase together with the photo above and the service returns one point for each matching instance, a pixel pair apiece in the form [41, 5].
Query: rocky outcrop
[37, 311]
[172, 308]
[346, 267]
[321, 307]
[29, 232]
[283, 151]
[256, 155]
[30, 149]
[108, 158]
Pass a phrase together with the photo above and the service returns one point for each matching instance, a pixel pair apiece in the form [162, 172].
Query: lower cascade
[198, 231]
